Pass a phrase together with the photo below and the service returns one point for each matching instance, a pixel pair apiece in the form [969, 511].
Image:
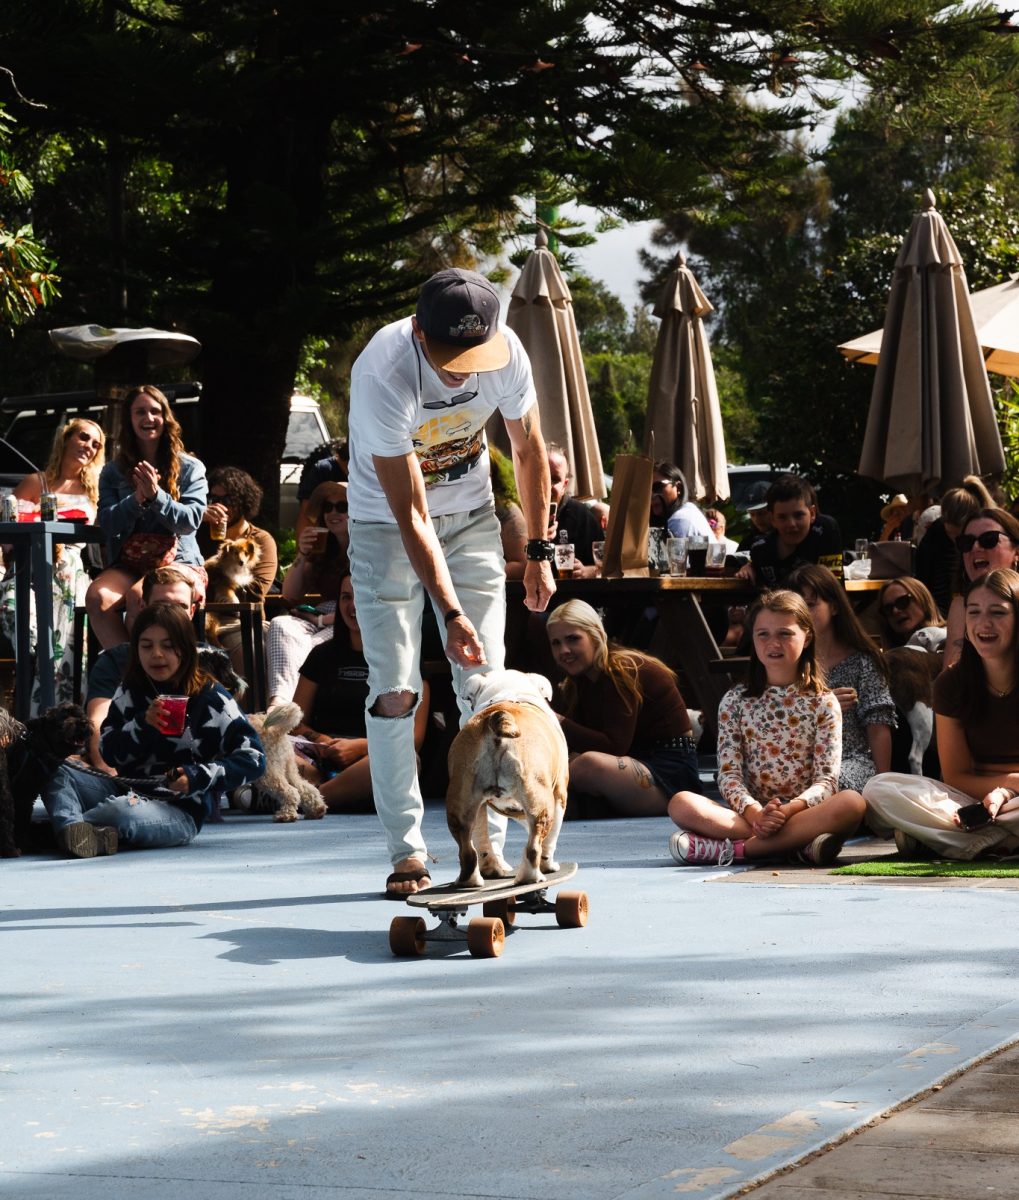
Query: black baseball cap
[757, 496]
[458, 314]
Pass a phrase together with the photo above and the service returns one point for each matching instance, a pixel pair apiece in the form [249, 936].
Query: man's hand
[177, 781]
[539, 586]
[342, 751]
[747, 572]
[463, 646]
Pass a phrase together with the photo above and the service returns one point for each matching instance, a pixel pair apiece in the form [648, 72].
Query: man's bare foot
[409, 875]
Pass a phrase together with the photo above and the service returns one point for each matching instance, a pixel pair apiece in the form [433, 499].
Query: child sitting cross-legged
[779, 753]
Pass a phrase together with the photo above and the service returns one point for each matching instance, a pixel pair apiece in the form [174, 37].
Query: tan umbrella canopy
[684, 420]
[541, 314]
[931, 418]
[996, 317]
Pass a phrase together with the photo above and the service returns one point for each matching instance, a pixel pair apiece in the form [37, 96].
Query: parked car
[26, 442]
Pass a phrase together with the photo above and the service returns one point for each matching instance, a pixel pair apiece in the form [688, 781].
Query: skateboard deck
[502, 900]
[453, 895]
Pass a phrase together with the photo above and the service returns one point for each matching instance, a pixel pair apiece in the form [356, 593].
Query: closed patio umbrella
[541, 314]
[931, 419]
[996, 317]
[684, 420]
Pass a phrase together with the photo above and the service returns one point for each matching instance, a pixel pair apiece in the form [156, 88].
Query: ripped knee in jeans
[396, 703]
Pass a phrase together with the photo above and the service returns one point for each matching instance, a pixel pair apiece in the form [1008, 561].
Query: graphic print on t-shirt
[449, 446]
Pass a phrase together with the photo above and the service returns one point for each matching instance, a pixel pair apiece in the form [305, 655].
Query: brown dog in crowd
[510, 756]
[231, 569]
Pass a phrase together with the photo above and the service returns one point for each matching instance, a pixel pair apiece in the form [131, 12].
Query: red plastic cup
[174, 711]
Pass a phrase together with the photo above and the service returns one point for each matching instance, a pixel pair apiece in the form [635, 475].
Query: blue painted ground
[226, 1020]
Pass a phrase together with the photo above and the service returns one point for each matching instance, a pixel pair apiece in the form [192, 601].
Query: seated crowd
[810, 747]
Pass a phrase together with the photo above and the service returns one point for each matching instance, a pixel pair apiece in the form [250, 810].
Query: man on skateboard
[422, 520]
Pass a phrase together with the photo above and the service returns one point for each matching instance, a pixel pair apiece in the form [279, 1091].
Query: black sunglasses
[329, 506]
[452, 402]
[899, 604]
[660, 485]
[986, 540]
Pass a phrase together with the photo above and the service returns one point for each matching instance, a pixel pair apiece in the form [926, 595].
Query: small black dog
[30, 756]
[215, 661]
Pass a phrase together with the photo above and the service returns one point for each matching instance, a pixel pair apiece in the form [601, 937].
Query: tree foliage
[27, 281]
[258, 173]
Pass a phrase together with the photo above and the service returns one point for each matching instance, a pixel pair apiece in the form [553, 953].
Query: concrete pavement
[226, 1018]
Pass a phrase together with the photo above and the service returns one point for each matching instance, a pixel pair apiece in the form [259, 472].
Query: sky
[613, 257]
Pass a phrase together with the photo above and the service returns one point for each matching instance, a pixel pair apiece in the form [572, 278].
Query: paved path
[958, 1143]
[226, 1020]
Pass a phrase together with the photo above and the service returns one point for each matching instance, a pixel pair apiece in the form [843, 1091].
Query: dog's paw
[314, 810]
[494, 866]
[285, 814]
[474, 880]
[549, 866]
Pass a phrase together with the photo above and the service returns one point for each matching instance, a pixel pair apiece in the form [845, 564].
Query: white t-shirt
[398, 404]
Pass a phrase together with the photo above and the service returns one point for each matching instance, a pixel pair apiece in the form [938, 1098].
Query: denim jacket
[120, 514]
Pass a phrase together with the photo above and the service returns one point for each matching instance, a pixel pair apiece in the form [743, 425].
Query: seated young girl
[854, 671]
[331, 691]
[779, 753]
[625, 722]
[976, 707]
[187, 762]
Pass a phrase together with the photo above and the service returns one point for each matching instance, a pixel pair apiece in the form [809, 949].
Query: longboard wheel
[571, 910]
[505, 910]
[485, 937]
[407, 936]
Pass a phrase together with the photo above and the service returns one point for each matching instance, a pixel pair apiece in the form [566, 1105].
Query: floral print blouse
[784, 743]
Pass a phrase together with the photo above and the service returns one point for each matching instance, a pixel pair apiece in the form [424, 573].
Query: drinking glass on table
[697, 553]
[714, 559]
[862, 549]
[598, 554]
[564, 559]
[676, 548]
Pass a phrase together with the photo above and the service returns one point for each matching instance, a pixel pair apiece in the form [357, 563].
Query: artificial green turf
[931, 869]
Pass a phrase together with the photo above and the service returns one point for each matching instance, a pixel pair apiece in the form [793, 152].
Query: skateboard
[502, 900]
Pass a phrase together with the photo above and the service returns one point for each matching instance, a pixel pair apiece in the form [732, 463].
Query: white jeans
[390, 603]
[923, 808]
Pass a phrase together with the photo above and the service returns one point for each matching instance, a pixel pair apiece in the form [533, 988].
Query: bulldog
[511, 756]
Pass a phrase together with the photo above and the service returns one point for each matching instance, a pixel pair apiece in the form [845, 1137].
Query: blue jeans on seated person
[73, 795]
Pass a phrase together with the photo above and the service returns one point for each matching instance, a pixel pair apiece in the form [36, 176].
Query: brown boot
[84, 840]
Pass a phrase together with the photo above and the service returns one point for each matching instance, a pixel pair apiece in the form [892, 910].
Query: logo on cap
[470, 325]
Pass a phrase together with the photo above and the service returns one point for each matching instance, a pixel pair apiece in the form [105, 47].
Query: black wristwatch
[540, 550]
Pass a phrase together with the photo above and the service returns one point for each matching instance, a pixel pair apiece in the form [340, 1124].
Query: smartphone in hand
[973, 816]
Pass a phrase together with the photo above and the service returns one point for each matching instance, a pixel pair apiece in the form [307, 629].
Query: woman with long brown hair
[855, 673]
[175, 733]
[975, 810]
[988, 541]
[152, 498]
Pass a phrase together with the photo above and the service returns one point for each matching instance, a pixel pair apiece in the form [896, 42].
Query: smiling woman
[72, 474]
[151, 501]
[977, 713]
[626, 724]
[988, 541]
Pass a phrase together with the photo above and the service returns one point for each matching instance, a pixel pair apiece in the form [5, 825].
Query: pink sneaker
[692, 850]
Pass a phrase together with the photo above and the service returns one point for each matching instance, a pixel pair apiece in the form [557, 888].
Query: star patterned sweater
[218, 749]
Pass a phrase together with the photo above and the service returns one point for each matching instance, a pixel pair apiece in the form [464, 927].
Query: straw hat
[893, 506]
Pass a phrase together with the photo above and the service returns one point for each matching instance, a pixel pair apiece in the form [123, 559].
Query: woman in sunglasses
[905, 606]
[311, 585]
[988, 541]
[976, 809]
